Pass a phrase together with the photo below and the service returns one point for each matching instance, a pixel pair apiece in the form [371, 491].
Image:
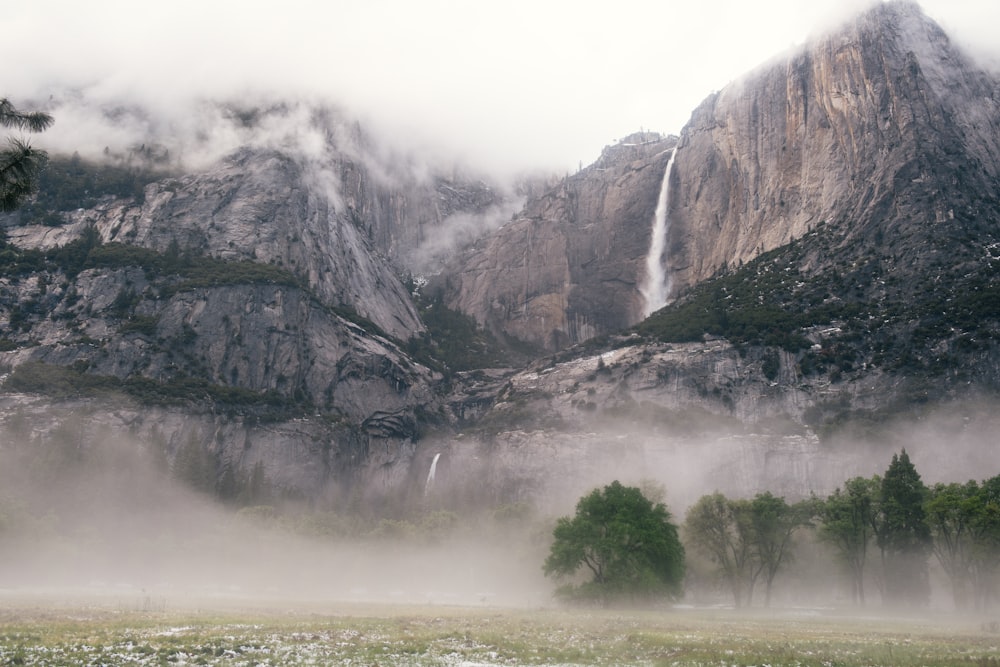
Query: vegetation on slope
[73, 382]
[454, 341]
[875, 314]
[67, 183]
[168, 273]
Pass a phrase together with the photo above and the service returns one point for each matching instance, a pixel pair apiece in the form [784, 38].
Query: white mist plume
[457, 231]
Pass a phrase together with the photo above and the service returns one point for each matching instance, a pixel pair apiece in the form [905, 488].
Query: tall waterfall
[656, 287]
[430, 475]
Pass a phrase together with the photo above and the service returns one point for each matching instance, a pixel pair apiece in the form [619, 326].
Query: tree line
[884, 529]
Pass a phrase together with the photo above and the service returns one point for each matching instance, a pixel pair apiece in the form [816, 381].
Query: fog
[106, 520]
[507, 88]
[104, 517]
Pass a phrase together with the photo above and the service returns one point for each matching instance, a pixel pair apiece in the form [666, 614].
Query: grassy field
[73, 633]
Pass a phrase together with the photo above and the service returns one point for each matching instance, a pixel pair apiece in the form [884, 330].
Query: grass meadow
[81, 633]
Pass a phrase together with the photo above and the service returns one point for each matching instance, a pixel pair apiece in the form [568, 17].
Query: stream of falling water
[656, 286]
[430, 475]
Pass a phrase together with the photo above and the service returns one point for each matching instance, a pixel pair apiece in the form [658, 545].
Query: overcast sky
[509, 85]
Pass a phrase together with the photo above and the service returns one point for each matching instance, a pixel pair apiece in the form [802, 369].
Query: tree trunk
[858, 587]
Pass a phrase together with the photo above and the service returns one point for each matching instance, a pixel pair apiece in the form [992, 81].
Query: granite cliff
[882, 130]
[833, 222]
[567, 267]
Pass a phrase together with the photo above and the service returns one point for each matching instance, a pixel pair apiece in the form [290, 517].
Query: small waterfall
[656, 287]
[430, 475]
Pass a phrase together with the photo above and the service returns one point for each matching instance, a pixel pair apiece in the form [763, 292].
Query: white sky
[505, 85]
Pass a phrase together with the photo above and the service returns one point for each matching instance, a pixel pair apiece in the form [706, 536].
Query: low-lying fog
[119, 528]
[112, 521]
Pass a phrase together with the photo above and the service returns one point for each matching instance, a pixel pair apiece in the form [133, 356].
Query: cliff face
[701, 417]
[846, 197]
[567, 267]
[336, 225]
[881, 130]
[882, 124]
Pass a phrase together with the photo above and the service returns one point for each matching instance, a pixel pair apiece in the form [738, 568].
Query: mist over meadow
[90, 514]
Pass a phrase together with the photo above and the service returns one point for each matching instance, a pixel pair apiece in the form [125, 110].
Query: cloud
[508, 86]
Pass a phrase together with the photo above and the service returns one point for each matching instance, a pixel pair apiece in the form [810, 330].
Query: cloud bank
[508, 86]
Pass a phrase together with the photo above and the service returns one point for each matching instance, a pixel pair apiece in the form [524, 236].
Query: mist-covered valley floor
[120, 529]
[107, 558]
[111, 521]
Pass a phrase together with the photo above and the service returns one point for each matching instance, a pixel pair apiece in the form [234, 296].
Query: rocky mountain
[259, 297]
[833, 226]
[832, 249]
[882, 130]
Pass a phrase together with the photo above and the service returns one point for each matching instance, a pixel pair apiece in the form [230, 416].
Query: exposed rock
[696, 418]
[881, 130]
[877, 148]
[326, 462]
[566, 268]
[871, 127]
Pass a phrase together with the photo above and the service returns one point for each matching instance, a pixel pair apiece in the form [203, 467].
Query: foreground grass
[472, 637]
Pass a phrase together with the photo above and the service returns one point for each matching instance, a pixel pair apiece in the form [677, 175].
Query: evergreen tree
[904, 535]
[19, 162]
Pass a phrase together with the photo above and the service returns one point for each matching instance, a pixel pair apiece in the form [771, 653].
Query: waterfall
[430, 474]
[656, 287]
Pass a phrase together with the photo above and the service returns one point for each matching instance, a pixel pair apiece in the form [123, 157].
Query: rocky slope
[257, 298]
[832, 239]
[700, 417]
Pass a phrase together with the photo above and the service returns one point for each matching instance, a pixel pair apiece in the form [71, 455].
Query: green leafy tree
[951, 510]
[19, 162]
[903, 535]
[774, 522]
[721, 529]
[965, 526]
[847, 522]
[625, 543]
[985, 531]
[749, 540]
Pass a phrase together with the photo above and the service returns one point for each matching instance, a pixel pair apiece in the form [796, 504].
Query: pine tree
[20, 163]
[904, 535]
